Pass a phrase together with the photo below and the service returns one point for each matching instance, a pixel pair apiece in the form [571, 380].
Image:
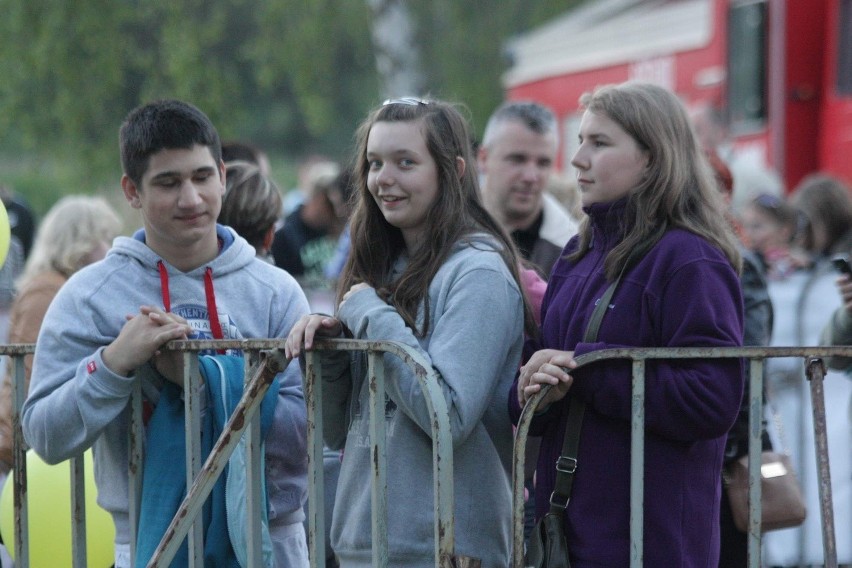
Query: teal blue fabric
[164, 484]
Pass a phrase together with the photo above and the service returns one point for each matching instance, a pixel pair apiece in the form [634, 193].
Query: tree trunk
[397, 54]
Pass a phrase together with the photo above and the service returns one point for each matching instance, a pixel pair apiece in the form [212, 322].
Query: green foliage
[462, 46]
[294, 76]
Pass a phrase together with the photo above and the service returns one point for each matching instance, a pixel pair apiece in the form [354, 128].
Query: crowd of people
[490, 264]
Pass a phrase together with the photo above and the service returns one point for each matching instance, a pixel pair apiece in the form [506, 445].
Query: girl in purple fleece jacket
[646, 188]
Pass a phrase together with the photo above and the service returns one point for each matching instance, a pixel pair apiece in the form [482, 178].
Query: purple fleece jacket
[683, 293]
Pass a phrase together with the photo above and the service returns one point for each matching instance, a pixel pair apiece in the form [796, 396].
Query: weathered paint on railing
[201, 485]
[756, 356]
[815, 372]
[442, 449]
[19, 453]
[264, 359]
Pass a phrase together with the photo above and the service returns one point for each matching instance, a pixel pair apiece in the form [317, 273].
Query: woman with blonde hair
[77, 231]
[655, 227]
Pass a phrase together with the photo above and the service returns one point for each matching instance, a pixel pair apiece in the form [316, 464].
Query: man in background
[516, 159]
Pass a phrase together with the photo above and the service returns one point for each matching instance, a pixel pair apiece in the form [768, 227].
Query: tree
[397, 54]
[295, 76]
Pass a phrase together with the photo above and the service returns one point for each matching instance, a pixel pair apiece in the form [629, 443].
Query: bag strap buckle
[564, 464]
[559, 501]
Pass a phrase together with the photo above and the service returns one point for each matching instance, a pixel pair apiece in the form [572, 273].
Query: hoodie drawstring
[213, 313]
[209, 294]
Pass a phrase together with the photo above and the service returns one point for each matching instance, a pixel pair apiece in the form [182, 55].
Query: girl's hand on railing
[306, 329]
[546, 367]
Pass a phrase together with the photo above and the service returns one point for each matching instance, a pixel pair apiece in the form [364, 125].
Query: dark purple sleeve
[699, 306]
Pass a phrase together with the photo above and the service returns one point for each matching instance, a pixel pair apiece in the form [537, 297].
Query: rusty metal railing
[264, 358]
[442, 449]
[756, 356]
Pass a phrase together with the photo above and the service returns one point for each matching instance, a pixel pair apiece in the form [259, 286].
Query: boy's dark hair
[165, 124]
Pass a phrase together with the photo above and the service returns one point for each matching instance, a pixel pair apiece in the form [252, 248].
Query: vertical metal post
[255, 505]
[378, 447]
[135, 434]
[193, 397]
[519, 451]
[78, 511]
[815, 370]
[19, 476]
[316, 479]
[637, 465]
[755, 449]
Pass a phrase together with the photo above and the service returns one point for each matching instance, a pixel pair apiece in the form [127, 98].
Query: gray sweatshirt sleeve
[73, 395]
[287, 442]
[477, 316]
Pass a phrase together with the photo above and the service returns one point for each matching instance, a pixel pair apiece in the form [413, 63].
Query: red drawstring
[213, 313]
[164, 286]
[209, 294]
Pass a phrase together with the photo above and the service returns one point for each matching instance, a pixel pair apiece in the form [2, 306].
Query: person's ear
[460, 166]
[131, 192]
[481, 158]
[223, 175]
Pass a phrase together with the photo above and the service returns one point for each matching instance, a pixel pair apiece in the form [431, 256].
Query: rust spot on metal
[238, 420]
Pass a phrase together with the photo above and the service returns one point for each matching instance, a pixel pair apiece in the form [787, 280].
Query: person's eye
[166, 183]
[406, 163]
[201, 178]
[374, 164]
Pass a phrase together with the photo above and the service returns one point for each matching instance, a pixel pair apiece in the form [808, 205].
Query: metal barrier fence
[264, 359]
[756, 356]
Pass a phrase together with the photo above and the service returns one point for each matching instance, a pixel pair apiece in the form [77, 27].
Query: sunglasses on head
[408, 101]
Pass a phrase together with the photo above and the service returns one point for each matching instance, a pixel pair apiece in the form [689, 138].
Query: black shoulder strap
[566, 464]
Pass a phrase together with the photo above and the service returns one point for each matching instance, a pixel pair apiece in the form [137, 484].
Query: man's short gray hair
[534, 116]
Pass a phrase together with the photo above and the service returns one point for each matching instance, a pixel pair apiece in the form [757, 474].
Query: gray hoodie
[474, 344]
[76, 402]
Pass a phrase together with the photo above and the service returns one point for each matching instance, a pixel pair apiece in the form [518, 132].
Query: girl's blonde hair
[69, 233]
[679, 190]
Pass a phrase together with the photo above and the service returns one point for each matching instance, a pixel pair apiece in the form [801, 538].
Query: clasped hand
[546, 367]
[140, 340]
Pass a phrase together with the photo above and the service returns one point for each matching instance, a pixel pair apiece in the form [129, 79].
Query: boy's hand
[141, 338]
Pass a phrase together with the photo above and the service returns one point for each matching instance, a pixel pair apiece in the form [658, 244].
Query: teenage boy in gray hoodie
[181, 276]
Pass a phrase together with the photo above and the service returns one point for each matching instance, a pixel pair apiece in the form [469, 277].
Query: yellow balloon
[49, 501]
[5, 233]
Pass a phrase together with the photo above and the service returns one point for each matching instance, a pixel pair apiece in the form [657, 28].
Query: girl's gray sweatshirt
[474, 346]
